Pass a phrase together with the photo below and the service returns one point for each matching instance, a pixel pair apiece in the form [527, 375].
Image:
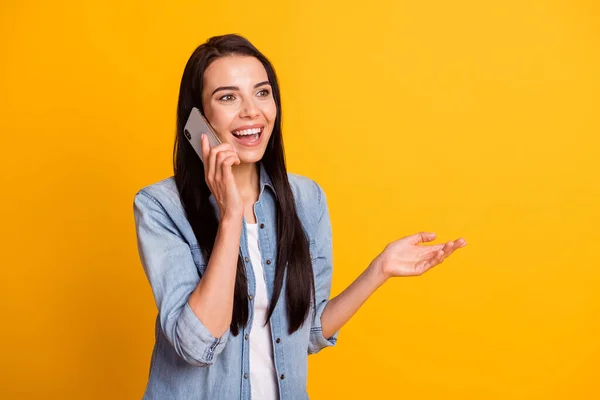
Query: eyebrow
[237, 88]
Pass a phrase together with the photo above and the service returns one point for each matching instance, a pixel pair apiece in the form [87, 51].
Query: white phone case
[195, 126]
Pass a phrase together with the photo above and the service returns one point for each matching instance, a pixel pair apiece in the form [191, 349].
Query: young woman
[238, 251]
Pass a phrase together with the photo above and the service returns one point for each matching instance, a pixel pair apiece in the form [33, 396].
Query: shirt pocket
[198, 260]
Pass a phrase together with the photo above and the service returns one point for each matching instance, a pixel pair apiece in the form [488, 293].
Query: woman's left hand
[408, 257]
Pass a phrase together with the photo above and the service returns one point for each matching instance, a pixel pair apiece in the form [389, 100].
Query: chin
[250, 158]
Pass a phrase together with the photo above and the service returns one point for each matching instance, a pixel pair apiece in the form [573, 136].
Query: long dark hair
[292, 244]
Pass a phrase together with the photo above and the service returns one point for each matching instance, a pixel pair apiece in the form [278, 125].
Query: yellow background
[465, 118]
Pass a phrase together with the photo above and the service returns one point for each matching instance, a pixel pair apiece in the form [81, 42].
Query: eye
[263, 93]
[227, 97]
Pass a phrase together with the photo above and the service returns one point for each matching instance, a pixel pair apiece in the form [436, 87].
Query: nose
[249, 109]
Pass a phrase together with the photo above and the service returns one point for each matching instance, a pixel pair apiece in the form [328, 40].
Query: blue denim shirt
[187, 361]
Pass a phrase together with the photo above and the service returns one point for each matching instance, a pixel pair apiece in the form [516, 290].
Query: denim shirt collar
[264, 178]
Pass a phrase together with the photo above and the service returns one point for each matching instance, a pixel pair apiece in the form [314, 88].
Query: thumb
[421, 237]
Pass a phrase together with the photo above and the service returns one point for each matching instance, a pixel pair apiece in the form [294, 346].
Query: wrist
[377, 273]
[232, 218]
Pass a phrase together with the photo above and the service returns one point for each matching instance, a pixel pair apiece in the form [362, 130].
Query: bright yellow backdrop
[465, 118]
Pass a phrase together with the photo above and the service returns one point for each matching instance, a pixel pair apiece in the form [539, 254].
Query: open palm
[408, 257]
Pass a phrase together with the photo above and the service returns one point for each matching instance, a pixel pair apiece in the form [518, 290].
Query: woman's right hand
[219, 177]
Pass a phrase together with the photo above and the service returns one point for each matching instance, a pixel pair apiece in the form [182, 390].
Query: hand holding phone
[219, 178]
[197, 125]
[218, 159]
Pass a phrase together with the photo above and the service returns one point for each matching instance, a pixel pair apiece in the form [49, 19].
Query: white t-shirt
[263, 377]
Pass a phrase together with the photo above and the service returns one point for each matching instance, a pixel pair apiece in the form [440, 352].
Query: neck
[247, 180]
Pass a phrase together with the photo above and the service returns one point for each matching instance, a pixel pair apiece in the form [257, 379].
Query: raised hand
[409, 257]
[219, 177]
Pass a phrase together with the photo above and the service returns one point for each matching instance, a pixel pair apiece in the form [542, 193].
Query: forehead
[239, 71]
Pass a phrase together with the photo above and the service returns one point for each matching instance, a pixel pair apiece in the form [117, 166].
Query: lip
[254, 144]
[241, 128]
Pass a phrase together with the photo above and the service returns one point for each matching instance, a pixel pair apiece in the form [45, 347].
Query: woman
[238, 251]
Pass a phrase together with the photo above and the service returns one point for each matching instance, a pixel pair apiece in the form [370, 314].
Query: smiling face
[238, 102]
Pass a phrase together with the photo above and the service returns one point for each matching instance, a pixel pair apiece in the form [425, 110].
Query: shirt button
[262, 226]
[245, 376]
[246, 259]
[282, 376]
[250, 297]
[246, 336]
[268, 262]
[277, 340]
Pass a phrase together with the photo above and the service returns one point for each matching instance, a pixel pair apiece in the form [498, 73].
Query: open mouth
[248, 136]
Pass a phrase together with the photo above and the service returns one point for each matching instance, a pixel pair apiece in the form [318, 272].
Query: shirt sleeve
[173, 276]
[323, 268]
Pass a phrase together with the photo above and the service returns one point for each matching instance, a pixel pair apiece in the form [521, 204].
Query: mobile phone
[195, 126]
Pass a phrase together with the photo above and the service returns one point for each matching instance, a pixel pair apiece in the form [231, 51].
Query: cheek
[220, 117]
[270, 111]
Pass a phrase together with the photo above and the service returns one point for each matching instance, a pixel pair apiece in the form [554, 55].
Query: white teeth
[245, 132]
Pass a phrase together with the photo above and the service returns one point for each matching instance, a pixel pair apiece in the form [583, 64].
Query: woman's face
[238, 102]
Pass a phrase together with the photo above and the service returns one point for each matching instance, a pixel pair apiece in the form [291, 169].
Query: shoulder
[161, 190]
[311, 203]
[305, 189]
[158, 208]
[162, 194]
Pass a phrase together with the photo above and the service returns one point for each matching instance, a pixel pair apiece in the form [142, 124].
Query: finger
[462, 242]
[224, 146]
[439, 257]
[447, 250]
[430, 253]
[221, 156]
[217, 169]
[431, 261]
[436, 259]
[226, 171]
[450, 247]
[205, 148]
[435, 252]
[434, 247]
[231, 159]
[421, 237]
[212, 159]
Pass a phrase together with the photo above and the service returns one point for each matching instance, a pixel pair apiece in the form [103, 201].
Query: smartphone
[195, 126]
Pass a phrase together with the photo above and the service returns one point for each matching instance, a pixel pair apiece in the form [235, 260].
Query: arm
[404, 257]
[212, 300]
[341, 308]
[322, 264]
[174, 279]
